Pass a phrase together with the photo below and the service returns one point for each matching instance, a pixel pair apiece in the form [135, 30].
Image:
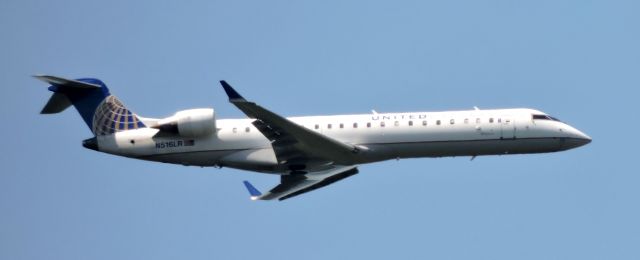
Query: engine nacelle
[190, 123]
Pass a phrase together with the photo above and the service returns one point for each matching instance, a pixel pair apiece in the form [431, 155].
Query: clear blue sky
[577, 60]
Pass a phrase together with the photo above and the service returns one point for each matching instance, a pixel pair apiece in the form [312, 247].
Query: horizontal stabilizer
[57, 103]
[58, 81]
[61, 86]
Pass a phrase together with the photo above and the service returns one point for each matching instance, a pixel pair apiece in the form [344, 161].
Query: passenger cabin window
[452, 121]
[341, 125]
[396, 123]
[466, 121]
[382, 124]
[368, 124]
[424, 122]
[410, 123]
[329, 126]
[491, 120]
[438, 122]
[317, 126]
[235, 130]
[247, 129]
[499, 120]
[355, 125]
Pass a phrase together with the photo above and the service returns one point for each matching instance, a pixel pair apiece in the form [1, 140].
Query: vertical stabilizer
[101, 111]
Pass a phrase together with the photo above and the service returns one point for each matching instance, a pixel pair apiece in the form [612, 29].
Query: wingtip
[255, 193]
[231, 93]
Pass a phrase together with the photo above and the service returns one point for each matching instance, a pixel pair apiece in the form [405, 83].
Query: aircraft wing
[294, 145]
[294, 185]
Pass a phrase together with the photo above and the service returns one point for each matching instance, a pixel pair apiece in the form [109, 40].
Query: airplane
[307, 152]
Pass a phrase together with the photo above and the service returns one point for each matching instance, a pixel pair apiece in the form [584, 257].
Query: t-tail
[103, 112]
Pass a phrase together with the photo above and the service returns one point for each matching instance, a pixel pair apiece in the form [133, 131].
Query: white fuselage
[237, 143]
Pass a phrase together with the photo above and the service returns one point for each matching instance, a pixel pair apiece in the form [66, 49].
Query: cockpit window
[544, 117]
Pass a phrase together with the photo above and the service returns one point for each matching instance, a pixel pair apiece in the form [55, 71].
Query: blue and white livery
[306, 152]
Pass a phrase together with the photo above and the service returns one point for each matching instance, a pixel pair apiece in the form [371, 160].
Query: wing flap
[294, 185]
[327, 181]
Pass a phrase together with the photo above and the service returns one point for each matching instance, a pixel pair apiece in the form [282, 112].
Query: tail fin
[103, 112]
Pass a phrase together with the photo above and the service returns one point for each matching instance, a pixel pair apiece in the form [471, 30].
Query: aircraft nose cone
[571, 143]
[582, 137]
[586, 140]
[583, 140]
[576, 139]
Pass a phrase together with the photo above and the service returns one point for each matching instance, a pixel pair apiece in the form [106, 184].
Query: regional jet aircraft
[307, 152]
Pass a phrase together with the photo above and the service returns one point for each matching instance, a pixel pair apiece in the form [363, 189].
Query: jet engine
[189, 123]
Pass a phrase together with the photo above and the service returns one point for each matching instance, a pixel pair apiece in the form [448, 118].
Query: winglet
[255, 193]
[232, 93]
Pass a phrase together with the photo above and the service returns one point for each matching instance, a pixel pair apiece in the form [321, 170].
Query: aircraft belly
[463, 148]
[263, 160]
[478, 147]
[194, 158]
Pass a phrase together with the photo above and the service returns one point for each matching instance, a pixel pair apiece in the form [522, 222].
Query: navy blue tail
[101, 111]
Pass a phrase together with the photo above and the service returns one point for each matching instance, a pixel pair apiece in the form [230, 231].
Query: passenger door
[508, 128]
